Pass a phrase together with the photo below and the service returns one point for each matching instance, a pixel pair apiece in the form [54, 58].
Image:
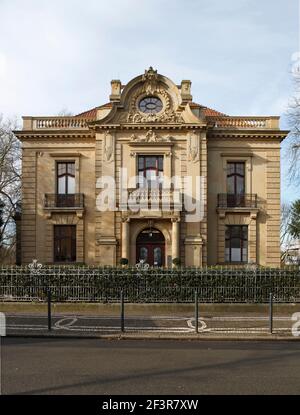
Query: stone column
[125, 238]
[175, 238]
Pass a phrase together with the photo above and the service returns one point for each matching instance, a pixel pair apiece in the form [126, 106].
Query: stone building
[151, 127]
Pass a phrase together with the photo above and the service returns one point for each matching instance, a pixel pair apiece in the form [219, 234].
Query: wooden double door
[150, 247]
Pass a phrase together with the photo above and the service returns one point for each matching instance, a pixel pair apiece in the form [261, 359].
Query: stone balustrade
[54, 123]
[246, 122]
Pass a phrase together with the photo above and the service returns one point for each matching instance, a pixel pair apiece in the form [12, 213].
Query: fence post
[196, 312]
[271, 313]
[122, 312]
[49, 310]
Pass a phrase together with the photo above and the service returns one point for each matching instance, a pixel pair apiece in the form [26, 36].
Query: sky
[62, 54]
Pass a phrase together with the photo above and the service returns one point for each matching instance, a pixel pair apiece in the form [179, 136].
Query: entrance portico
[168, 228]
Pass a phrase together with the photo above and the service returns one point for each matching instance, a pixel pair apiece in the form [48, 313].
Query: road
[74, 324]
[94, 366]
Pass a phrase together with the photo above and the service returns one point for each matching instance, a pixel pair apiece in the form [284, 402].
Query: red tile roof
[208, 112]
[92, 114]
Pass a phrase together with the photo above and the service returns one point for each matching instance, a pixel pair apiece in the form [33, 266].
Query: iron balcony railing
[75, 200]
[246, 200]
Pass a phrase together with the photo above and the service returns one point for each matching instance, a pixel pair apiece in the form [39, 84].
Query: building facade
[150, 132]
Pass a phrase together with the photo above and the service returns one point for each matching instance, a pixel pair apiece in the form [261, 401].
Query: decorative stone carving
[186, 91]
[193, 149]
[108, 147]
[151, 81]
[150, 137]
[152, 86]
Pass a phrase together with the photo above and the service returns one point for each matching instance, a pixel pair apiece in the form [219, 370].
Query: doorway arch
[150, 247]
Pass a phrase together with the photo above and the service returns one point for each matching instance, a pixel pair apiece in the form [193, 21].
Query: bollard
[196, 312]
[49, 310]
[271, 313]
[122, 312]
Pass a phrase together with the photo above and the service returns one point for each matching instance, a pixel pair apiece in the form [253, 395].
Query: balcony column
[125, 237]
[175, 238]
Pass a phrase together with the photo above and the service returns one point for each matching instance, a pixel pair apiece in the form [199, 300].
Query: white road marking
[202, 326]
[68, 323]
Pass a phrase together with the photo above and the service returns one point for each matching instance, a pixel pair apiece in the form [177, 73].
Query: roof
[92, 113]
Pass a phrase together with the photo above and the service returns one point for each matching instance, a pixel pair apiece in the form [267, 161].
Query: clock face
[150, 105]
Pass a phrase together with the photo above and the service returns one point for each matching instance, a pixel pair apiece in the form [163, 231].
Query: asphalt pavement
[103, 367]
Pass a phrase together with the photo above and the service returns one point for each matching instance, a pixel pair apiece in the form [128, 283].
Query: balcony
[64, 202]
[155, 199]
[247, 200]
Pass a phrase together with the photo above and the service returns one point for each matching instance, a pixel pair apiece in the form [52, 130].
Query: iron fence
[155, 285]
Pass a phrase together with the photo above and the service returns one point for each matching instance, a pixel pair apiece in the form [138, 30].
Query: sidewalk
[151, 321]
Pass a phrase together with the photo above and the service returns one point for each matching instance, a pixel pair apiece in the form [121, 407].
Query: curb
[199, 337]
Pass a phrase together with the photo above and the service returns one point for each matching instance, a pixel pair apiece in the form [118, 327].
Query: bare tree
[10, 186]
[285, 237]
[65, 113]
[294, 136]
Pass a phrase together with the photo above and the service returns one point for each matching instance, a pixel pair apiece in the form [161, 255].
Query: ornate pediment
[152, 86]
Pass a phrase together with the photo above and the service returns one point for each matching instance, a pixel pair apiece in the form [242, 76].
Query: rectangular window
[150, 171]
[64, 243]
[236, 244]
[236, 178]
[65, 173]
[65, 185]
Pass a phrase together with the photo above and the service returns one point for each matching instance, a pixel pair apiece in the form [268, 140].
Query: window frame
[66, 175]
[235, 175]
[242, 243]
[73, 243]
[144, 169]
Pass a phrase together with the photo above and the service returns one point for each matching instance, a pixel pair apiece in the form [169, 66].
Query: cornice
[248, 134]
[146, 126]
[58, 134]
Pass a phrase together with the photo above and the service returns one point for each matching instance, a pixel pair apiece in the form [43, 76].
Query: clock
[150, 105]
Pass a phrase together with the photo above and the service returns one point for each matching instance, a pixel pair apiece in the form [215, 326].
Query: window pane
[71, 185]
[230, 185]
[227, 254]
[160, 163]
[141, 163]
[61, 169]
[230, 168]
[151, 162]
[235, 255]
[62, 185]
[157, 257]
[71, 169]
[143, 254]
[151, 175]
[240, 185]
[235, 231]
[240, 168]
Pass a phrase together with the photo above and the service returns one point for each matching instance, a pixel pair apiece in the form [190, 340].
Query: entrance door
[150, 247]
